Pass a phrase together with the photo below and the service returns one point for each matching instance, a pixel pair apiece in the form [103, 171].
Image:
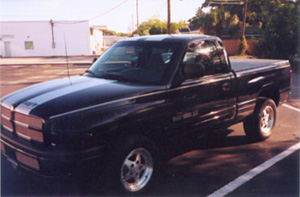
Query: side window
[223, 55]
[206, 53]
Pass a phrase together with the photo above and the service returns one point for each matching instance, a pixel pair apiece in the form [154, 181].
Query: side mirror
[192, 70]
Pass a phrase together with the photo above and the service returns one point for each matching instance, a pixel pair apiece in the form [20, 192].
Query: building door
[7, 49]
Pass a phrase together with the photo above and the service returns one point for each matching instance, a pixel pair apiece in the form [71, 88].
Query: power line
[108, 10]
[81, 21]
[113, 8]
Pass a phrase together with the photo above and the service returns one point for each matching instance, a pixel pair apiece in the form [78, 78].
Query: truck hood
[68, 94]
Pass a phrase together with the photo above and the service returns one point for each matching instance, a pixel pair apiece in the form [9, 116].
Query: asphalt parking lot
[194, 167]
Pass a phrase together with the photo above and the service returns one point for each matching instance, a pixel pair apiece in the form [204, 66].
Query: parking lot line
[291, 107]
[254, 172]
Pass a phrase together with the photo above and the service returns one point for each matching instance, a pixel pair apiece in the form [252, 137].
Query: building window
[29, 45]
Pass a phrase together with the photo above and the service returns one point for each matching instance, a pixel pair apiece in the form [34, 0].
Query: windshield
[143, 62]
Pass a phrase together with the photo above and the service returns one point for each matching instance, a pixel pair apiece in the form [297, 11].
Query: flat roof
[47, 21]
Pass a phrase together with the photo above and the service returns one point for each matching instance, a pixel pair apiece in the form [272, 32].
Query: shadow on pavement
[192, 168]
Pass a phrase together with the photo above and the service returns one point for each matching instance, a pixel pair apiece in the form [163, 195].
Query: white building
[96, 41]
[44, 38]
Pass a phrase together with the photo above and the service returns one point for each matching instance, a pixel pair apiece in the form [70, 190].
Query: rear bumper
[50, 163]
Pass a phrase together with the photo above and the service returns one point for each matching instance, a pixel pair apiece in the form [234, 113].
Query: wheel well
[271, 93]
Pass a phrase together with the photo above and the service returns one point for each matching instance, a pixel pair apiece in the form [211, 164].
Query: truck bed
[242, 64]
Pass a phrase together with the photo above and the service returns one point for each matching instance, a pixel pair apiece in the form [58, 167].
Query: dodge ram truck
[116, 118]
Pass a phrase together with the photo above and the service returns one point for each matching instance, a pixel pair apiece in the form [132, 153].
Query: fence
[232, 45]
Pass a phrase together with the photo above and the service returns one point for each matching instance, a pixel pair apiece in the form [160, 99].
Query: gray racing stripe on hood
[30, 104]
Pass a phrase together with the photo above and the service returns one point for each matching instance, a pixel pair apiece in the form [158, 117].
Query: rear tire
[259, 126]
[132, 166]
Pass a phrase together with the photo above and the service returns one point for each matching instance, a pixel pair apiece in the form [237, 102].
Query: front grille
[6, 112]
[32, 121]
[6, 118]
[29, 134]
[25, 126]
[7, 124]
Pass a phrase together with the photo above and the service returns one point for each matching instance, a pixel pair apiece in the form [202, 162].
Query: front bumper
[45, 161]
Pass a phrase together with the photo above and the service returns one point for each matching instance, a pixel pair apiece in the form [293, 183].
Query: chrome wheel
[136, 170]
[267, 120]
[259, 126]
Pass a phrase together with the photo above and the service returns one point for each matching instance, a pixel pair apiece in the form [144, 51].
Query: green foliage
[216, 20]
[280, 31]
[156, 26]
[122, 34]
[278, 21]
[107, 32]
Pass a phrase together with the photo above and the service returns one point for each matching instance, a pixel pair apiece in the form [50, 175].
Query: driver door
[206, 101]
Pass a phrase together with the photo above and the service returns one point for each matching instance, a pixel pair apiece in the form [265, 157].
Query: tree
[203, 21]
[156, 26]
[217, 20]
[107, 32]
[278, 22]
[280, 30]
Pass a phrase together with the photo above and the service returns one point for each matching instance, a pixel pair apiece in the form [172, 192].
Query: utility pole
[137, 17]
[244, 19]
[169, 17]
[52, 33]
[132, 25]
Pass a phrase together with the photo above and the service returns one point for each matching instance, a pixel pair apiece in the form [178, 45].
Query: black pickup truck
[117, 117]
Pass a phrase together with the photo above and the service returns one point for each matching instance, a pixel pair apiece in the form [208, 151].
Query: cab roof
[172, 38]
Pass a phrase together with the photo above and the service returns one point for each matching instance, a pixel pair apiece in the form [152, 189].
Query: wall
[77, 36]
[96, 41]
[232, 45]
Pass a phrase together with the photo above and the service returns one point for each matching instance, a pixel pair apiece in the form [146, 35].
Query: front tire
[259, 126]
[132, 166]
[137, 170]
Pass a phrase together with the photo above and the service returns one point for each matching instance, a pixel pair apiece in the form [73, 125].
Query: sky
[117, 15]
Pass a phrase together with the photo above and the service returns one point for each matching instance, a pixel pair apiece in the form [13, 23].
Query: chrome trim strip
[24, 136]
[217, 113]
[21, 124]
[5, 106]
[18, 110]
[7, 128]
[246, 102]
[18, 149]
[5, 117]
